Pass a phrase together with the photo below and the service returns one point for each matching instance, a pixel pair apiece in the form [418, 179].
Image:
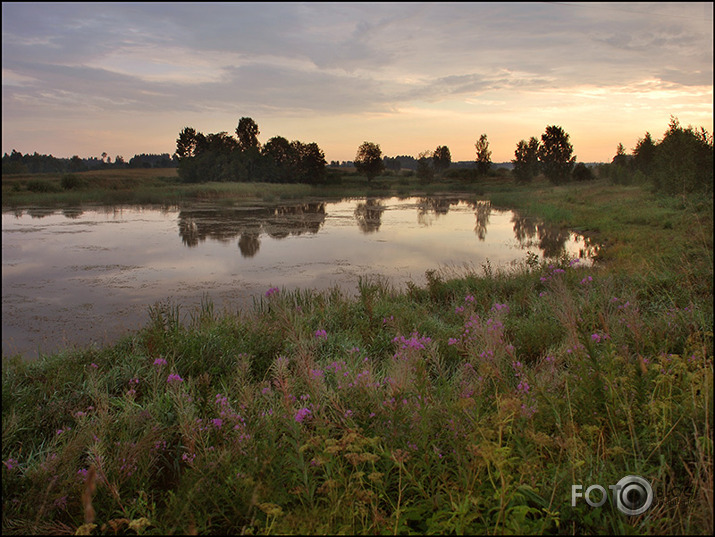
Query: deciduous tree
[247, 133]
[368, 160]
[484, 155]
[526, 160]
[441, 159]
[556, 155]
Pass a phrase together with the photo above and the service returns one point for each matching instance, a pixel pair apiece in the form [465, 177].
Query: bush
[70, 181]
[38, 185]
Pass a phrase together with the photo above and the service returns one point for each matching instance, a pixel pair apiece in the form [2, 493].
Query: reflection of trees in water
[429, 209]
[368, 215]
[482, 210]
[196, 225]
[249, 244]
[549, 238]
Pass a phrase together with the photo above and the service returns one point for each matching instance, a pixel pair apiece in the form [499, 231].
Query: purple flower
[272, 291]
[10, 463]
[173, 377]
[159, 362]
[587, 280]
[302, 414]
[217, 422]
[321, 334]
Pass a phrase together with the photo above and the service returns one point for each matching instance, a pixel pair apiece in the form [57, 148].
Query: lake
[74, 277]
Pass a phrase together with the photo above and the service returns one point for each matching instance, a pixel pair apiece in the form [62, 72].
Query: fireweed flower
[171, 379]
[302, 414]
[321, 334]
[272, 291]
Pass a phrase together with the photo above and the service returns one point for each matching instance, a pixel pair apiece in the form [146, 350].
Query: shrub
[38, 185]
[70, 181]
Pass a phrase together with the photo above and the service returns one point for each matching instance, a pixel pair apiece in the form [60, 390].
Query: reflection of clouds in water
[235, 253]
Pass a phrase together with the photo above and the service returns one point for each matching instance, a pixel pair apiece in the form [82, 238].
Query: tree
[620, 159]
[644, 155]
[441, 159]
[526, 160]
[425, 171]
[310, 162]
[484, 156]
[684, 160]
[186, 143]
[368, 160]
[556, 155]
[582, 172]
[247, 133]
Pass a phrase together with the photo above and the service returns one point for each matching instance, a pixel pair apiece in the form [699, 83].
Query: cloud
[337, 59]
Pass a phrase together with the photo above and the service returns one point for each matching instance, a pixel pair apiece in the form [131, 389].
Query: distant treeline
[407, 162]
[17, 163]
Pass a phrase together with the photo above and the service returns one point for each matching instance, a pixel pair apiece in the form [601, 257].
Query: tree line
[223, 157]
[680, 163]
[17, 163]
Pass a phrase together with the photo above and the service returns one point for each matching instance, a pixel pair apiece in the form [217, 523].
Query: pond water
[73, 277]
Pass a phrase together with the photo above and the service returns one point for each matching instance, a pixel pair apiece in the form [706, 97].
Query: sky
[125, 78]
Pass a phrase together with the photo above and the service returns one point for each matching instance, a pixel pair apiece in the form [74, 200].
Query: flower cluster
[272, 291]
[174, 378]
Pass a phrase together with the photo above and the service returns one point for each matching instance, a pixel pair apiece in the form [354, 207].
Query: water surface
[80, 276]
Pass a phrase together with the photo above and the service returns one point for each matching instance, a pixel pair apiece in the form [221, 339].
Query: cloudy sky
[86, 78]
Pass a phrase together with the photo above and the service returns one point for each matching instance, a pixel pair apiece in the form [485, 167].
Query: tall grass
[471, 404]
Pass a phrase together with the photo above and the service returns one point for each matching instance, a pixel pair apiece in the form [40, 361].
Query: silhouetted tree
[368, 160]
[425, 171]
[441, 159]
[484, 156]
[186, 143]
[556, 155]
[247, 133]
[644, 155]
[526, 160]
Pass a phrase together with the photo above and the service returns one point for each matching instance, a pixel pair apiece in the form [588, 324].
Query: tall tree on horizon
[484, 155]
[368, 160]
[247, 133]
[441, 159]
[556, 155]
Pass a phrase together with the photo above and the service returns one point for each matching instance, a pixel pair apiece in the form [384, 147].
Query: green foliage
[683, 161]
[70, 181]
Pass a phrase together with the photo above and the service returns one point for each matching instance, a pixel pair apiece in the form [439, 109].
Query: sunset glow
[126, 78]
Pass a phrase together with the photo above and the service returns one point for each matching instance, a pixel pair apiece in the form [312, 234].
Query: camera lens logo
[633, 495]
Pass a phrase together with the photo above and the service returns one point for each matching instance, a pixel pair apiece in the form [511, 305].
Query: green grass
[469, 405]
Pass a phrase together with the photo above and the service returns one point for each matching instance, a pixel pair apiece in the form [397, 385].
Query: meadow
[469, 405]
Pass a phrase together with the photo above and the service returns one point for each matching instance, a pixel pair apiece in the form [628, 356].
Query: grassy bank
[162, 186]
[470, 405]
